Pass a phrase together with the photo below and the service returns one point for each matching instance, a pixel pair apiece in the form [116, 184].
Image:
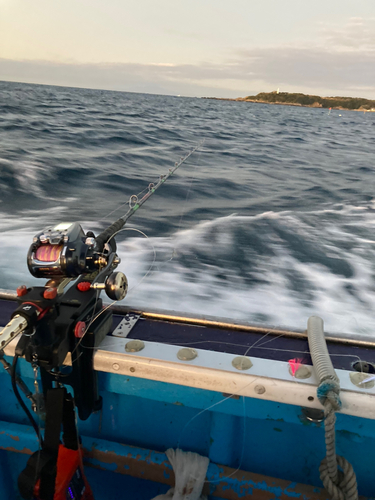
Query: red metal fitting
[50, 293]
[79, 329]
[21, 291]
[84, 286]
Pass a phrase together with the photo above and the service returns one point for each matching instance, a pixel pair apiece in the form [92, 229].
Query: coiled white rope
[336, 473]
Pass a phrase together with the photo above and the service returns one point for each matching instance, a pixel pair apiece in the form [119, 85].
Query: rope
[329, 391]
[336, 473]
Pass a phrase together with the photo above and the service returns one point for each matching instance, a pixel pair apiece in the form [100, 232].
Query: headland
[310, 101]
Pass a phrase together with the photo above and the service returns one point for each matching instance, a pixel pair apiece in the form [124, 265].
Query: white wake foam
[216, 269]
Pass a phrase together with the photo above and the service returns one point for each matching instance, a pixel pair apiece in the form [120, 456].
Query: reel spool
[62, 251]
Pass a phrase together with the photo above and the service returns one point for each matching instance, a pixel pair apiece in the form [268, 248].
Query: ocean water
[270, 221]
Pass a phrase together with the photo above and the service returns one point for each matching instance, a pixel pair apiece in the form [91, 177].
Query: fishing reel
[55, 319]
[65, 251]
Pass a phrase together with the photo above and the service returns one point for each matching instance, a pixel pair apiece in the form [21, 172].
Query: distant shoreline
[306, 101]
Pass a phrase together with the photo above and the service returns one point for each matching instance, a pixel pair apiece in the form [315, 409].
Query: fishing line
[202, 411]
[153, 187]
[259, 340]
[242, 388]
[248, 349]
[133, 201]
[174, 253]
[242, 450]
[127, 202]
[136, 201]
[153, 248]
[244, 430]
[78, 438]
[354, 356]
[258, 346]
[189, 188]
[84, 333]
[95, 316]
[39, 415]
[221, 401]
[243, 440]
[21, 402]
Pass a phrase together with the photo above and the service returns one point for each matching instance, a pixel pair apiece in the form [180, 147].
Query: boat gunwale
[223, 323]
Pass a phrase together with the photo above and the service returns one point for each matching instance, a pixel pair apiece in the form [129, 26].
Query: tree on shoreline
[352, 103]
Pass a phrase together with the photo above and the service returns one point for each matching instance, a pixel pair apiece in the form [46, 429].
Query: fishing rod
[135, 203]
[53, 321]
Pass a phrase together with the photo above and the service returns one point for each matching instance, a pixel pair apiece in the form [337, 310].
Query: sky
[216, 48]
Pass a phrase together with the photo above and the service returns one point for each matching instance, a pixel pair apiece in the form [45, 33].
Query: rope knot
[345, 487]
[329, 390]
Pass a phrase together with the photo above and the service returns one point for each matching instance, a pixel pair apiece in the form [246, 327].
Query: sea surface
[270, 221]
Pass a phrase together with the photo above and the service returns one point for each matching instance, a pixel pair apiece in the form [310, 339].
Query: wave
[247, 268]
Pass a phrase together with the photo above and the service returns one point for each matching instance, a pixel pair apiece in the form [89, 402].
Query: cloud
[340, 62]
[358, 35]
[163, 78]
[312, 68]
[167, 65]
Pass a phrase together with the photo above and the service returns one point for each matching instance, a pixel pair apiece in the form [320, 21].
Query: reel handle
[115, 286]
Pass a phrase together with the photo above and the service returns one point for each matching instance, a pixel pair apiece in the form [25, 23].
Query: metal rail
[211, 322]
